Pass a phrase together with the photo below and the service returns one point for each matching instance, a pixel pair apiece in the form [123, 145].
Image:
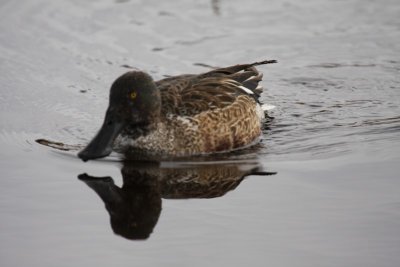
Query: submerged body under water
[332, 195]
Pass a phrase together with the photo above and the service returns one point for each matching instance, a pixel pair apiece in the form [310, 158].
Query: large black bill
[101, 145]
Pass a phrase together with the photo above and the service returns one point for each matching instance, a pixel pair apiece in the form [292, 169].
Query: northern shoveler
[183, 115]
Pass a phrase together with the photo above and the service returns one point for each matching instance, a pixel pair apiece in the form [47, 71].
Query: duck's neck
[137, 130]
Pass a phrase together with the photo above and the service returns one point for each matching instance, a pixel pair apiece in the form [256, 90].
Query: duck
[185, 115]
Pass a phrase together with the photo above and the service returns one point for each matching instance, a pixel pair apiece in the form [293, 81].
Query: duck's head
[134, 103]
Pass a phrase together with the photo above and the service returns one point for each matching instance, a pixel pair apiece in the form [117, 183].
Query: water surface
[334, 142]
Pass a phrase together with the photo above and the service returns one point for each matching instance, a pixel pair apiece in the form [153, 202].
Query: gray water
[334, 142]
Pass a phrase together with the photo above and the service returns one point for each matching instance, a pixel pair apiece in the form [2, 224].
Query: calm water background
[335, 140]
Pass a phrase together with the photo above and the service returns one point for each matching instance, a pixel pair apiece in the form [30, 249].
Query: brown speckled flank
[222, 129]
[211, 112]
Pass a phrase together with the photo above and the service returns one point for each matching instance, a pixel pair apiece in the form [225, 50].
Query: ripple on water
[332, 116]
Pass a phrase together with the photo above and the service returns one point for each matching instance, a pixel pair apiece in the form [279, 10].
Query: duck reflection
[135, 207]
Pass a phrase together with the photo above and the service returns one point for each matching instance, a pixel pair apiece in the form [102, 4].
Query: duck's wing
[246, 74]
[188, 95]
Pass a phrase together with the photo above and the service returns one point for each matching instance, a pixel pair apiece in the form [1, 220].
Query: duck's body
[183, 115]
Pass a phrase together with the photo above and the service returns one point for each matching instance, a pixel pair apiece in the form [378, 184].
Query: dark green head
[134, 103]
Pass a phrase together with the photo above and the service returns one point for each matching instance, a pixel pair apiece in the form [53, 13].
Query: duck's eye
[133, 95]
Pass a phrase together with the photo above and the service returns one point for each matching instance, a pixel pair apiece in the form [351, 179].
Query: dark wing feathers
[188, 95]
[203, 95]
[240, 67]
[177, 83]
[242, 76]
[252, 81]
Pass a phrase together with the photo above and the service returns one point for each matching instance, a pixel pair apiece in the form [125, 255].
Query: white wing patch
[247, 90]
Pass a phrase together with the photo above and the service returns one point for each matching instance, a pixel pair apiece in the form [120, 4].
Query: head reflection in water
[135, 207]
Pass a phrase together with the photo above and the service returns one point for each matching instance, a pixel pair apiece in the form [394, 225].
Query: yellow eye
[133, 95]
